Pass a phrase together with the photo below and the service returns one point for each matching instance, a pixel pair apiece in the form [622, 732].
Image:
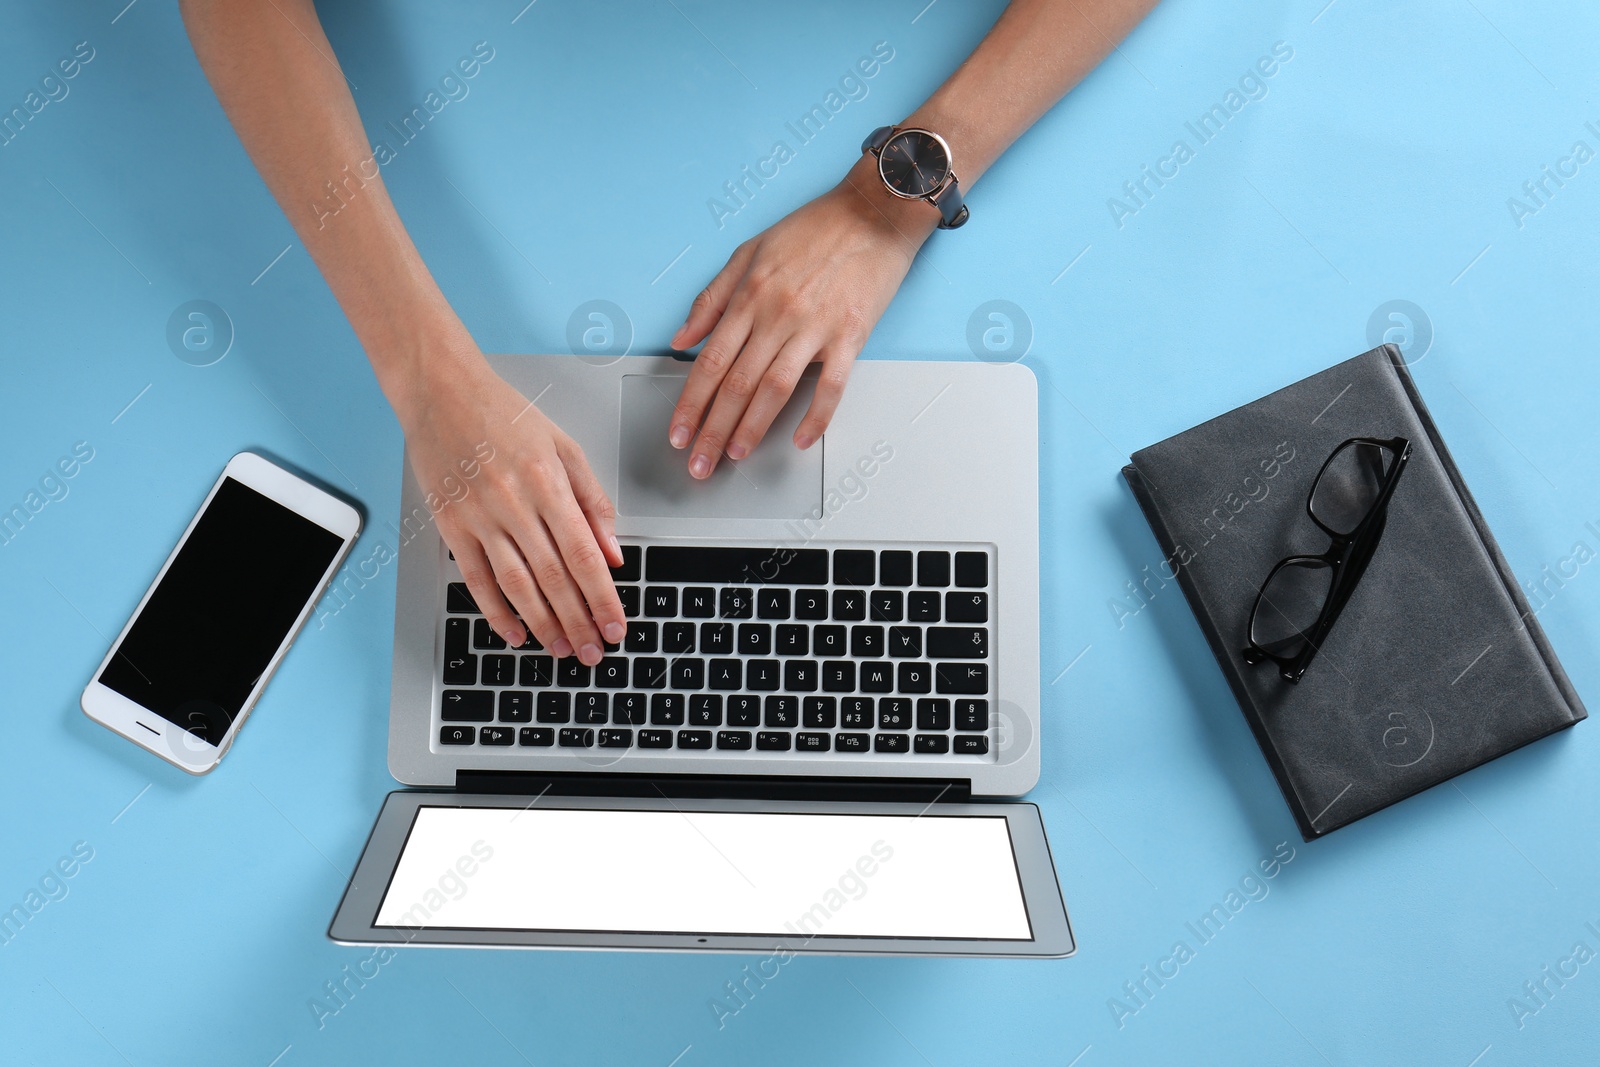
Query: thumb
[713, 299]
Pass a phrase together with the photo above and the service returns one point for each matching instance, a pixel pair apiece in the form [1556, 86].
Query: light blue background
[1377, 167]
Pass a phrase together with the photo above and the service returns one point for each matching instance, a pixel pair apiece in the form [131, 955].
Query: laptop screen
[724, 872]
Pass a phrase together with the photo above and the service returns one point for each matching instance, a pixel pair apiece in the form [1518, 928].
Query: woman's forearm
[281, 86]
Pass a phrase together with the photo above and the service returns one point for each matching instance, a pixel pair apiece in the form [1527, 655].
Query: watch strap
[952, 207]
[877, 139]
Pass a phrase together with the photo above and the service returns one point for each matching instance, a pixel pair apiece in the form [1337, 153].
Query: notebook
[1437, 663]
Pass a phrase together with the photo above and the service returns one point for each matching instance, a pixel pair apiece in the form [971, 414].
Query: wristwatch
[915, 165]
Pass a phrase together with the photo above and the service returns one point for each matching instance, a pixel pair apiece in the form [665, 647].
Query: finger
[479, 576]
[733, 397]
[777, 385]
[555, 581]
[713, 300]
[710, 366]
[516, 581]
[597, 507]
[837, 359]
[581, 554]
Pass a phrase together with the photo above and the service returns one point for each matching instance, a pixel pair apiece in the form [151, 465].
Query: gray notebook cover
[1437, 663]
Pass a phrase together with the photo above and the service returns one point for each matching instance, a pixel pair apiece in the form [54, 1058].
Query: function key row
[724, 740]
[718, 565]
[708, 709]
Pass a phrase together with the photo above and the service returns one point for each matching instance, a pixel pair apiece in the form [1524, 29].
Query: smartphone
[185, 671]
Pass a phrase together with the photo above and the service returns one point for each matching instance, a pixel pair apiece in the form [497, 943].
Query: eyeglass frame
[1347, 557]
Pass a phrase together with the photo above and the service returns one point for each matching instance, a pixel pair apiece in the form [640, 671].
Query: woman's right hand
[532, 525]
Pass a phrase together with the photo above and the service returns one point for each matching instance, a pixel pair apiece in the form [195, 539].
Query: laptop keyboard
[881, 652]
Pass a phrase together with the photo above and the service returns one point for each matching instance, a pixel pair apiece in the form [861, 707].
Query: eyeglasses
[1303, 595]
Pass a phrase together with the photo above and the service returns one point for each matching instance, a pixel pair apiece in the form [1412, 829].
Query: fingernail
[680, 436]
[611, 539]
[737, 451]
[615, 631]
[804, 441]
[700, 466]
[562, 648]
[590, 653]
[677, 334]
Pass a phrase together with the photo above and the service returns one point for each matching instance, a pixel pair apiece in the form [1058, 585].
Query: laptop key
[716, 638]
[616, 738]
[499, 670]
[744, 710]
[611, 673]
[694, 739]
[576, 737]
[894, 568]
[554, 707]
[629, 595]
[849, 605]
[661, 602]
[677, 637]
[688, 673]
[966, 607]
[735, 603]
[972, 715]
[772, 604]
[933, 568]
[961, 678]
[627, 709]
[793, 640]
[932, 744]
[857, 712]
[649, 672]
[761, 675]
[632, 568]
[772, 742]
[783, 711]
[851, 742]
[705, 709]
[755, 639]
[972, 745]
[838, 676]
[726, 674]
[499, 736]
[905, 641]
[536, 672]
[698, 602]
[800, 675]
[666, 709]
[536, 736]
[866, 641]
[958, 642]
[972, 569]
[458, 735]
[458, 600]
[456, 633]
[886, 605]
[461, 670]
[655, 738]
[854, 566]
[922, 606]
[572, 673]
[467, 705]
[915, 678]
[641, 637]
[516, 706]
[811, 604]
[891, 743]
[933, 713]
[812, 742]
[590, 707]
[820, 713]
[877, 677]
[737, 740]
[894, 713]
[828, 640]
[483, 635]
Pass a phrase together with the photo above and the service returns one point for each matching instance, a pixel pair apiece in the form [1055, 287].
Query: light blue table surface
[1374, 165]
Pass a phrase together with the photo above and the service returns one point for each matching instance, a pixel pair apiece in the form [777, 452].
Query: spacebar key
[741, 566]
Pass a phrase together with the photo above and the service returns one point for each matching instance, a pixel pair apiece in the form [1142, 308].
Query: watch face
[914, 163]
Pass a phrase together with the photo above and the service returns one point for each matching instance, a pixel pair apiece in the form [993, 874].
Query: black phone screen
[222, 609]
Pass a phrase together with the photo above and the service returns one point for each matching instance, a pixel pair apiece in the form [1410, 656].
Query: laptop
[830, 677]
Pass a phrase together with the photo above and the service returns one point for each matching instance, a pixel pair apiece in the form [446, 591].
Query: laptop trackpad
[777, 481]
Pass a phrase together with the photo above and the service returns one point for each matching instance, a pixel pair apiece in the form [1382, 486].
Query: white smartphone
[185, 671]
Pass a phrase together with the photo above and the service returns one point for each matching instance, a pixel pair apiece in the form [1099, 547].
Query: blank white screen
[782, 874]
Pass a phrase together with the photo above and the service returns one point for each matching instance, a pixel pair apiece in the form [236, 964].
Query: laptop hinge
[700, 787]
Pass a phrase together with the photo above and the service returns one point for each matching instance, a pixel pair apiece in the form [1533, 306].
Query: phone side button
[457, 735]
